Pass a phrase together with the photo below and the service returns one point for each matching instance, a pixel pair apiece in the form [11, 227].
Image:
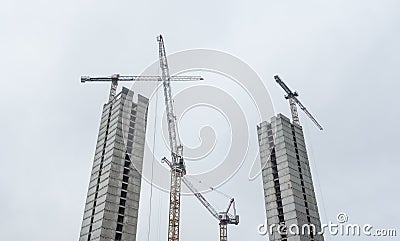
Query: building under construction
[112, 203]
[288, 187]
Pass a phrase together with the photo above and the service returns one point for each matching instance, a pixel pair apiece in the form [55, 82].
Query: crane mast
[293, 102]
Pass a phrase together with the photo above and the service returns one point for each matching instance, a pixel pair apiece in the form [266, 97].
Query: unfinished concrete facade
[288, 187]
[112, 204]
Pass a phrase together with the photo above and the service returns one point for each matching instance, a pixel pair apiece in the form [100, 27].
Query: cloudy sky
[342, 57]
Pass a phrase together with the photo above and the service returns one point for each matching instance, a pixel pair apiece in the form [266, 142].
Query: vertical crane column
[293, 110]
[174, 205]
[223, 231]
[113, 89]
[114, 85]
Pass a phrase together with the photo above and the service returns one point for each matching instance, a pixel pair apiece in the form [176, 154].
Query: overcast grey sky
[342, 57]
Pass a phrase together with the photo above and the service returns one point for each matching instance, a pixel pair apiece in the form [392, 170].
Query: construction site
[242, 121]
[112, 204]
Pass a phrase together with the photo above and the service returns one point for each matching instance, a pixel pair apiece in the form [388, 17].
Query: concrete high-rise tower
[288, 187]
[112, 204]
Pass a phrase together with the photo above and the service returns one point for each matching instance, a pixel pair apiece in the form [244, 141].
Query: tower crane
[291, 96]
[178, 168]
[224, 217]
